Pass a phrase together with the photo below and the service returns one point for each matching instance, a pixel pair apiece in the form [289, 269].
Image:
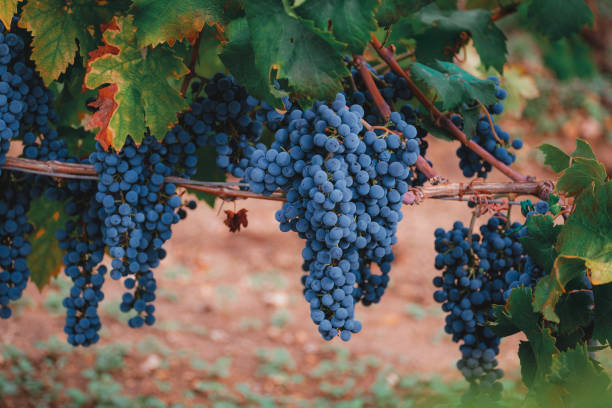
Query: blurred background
[233, 328]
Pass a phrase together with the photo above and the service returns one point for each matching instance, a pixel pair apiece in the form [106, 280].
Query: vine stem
[385, 111]
[192, 63]
[441, 120]
[379, 101]
[231, 191]
[503, 12]
[399, 57]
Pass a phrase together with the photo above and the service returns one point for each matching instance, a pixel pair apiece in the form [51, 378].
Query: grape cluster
[344, 188]
[25, 109]
[81, 238]
[394, 90]
[13, 88]
[493, 139]
[14, 228]
[139, 210]
[478, 271]
[225, 119]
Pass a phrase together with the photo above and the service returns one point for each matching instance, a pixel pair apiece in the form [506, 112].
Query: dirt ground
[232, 294]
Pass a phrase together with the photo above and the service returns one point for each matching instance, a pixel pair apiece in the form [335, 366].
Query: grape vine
[314, 111]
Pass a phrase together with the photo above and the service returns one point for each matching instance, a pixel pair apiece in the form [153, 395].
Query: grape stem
[231, 190]
[385, 111]
[192, 63]
[440, 119]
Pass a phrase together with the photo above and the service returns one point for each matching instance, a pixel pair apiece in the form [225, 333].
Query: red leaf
[107, 106]
[235, 220]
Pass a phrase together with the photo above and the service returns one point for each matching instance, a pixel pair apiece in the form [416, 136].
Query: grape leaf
[587, 233]
[308, 58]
[161, 21]
[8, 8]
[470, 116]
[583, 149]
[239, 57]
[574, 311]
[350, 21]
[390, 11]
[438, 34]
[583, 382]
[556, 19]
[45, 258]
[454, 85]
[433, 129]
[540, 240]
[602, 296]
[79, 142]
[554, 157]
[528, 363]
[550, 288]
[144, 97]
[56, 25]
[71, 97]
[569, 57]
[583, 174]
[520, 314]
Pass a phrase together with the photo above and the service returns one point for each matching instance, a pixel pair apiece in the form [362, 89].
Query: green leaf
[207, 170]
[438, 34]
[79, 142]
[556, 19]
[583, 149]
[8, 8]
[583, 174]
[574, 311]
[583, 383]
[56, 27]
[528, 363]
[390, 11]
[71, 99]
[470, 116]
[501, 326]
[435, 130]
[602, 330]
[454, 85]
[554, 157]
[550, 288]
[540, 240]
[568, 340]
[298, 52]
[520, 314]
[143, 95]
[569, 57]
[45, 258]
[587, 233]
[239, 57]
[161, 21]
[350, 21]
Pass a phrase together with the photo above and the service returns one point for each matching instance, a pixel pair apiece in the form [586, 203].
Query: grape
[342, 199]
[225, 119]
[479, 271]
[395, 90]
[135, 231]
[25, 110]
[470, 163]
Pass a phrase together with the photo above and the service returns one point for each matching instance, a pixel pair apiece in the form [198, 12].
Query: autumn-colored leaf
[161, 21]
[106, 107]
[7, 9]
[145, 89]
[60, 29]
[235, 220]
